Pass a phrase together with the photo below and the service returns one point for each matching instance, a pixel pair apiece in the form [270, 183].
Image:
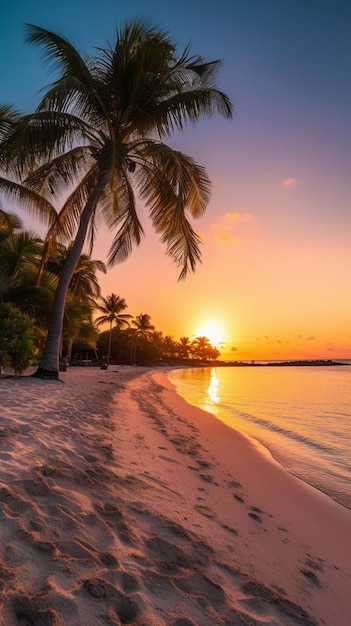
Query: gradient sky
[276, 267]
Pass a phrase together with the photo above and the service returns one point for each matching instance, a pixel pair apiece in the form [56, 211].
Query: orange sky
[271, 298]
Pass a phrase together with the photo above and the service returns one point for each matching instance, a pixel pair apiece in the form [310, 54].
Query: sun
[213, 331]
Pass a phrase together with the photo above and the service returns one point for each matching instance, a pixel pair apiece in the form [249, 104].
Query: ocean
[302, 414]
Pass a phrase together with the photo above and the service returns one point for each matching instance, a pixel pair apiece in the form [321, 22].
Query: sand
[122, 504]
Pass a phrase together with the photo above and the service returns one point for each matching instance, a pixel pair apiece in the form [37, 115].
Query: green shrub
[17, 347]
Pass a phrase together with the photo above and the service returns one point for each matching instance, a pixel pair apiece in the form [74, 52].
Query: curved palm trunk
[49, 364]
[109, 346]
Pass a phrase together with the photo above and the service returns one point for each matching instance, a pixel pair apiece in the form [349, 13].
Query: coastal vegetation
[26, 304]
[94, 144]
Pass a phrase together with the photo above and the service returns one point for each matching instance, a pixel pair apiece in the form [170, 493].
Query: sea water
[302, 414]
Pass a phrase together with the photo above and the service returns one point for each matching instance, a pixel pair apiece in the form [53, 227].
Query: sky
[275, 277]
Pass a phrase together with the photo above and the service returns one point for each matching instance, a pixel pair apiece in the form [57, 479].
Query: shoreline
[278, 455]
[121, 503]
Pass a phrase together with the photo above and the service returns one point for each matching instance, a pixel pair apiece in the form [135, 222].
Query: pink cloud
[289, 182]
[224, 228]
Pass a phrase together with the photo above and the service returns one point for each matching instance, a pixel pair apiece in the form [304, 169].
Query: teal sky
[277, 231]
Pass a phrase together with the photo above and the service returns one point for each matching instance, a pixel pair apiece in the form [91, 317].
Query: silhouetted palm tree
[143, 326]
[112, 307]
[98, 132]
[11, 186]
[141, 331]
[185, 347]
[200, 346]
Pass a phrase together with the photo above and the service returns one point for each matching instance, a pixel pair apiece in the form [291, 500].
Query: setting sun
[213, 331]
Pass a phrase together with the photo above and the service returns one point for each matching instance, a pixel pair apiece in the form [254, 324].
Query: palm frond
[64, 227]
[63, 57]
[34, 203]
[9, 222]
[125, 218]
[9, 117]
[60, 172]
[40, 137]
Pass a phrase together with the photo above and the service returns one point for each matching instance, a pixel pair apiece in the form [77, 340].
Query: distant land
[297, 363]
[309, 362]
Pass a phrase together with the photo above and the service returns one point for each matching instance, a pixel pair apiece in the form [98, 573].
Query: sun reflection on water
[212, 391]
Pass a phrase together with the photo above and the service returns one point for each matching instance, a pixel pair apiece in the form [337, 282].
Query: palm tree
[200, 347]
[20, 255]
[142, 330]
[11, 187]
[84, 285]
[98, 132]
[112, 307]
[143, 326]
[170, 347]
[9, 222]
[185, 347]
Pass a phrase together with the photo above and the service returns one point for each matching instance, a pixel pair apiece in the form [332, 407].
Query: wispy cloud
[289, 182]
[224, 229]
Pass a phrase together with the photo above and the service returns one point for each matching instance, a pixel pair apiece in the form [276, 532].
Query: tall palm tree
[98, 132]
[112, 307]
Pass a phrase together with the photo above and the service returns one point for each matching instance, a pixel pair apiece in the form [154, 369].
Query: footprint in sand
[205, 510]
[238, 498]
[273, 606]
[169, 459]
[311, 576]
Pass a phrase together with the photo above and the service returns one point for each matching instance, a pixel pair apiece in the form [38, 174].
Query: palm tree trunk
[109, 346]
[49, 364]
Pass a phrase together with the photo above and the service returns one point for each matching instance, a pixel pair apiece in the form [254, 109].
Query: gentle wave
[286, 432]
[302, 415]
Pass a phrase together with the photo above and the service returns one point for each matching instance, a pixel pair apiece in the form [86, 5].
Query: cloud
[311, 338]
[234, 349]
[224, 229]
[289, 182]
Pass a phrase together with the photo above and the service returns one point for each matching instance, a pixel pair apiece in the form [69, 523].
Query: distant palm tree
[112, 307]
[200, 347]
[170, 347]
[185, 347]
[98, 132]
[141, 330]
[143, 326]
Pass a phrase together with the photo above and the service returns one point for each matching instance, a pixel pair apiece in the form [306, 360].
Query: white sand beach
[122, 504]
